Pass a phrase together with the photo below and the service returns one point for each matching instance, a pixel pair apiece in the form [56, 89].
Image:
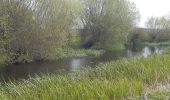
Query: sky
[148, 8]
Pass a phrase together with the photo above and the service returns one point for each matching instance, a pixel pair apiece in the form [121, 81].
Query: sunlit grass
[66, 88]
[129, 79]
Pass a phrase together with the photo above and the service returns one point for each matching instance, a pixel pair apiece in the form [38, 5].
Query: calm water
[24, 71]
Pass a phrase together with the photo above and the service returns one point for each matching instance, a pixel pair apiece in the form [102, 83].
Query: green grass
[69, 52]
[160, 96]
[130, 79]
[156, 44]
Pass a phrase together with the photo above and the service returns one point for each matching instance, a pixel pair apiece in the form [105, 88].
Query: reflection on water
[23, 71]
[78, 63]
[75, 63]
[145, 52]
[152, 50]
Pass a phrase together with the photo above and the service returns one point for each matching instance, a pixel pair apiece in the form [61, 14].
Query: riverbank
[70, 53]
[135, 78]
[53, 55]
[156, 44]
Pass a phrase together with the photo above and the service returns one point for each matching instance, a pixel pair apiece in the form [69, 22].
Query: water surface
[24, 71]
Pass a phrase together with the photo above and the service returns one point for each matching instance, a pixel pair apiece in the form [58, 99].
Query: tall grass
[66, 88]
[156, 68]
[128, 79]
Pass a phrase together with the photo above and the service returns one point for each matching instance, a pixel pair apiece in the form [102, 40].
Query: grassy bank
[131, 79]
[54, 54]
[69, 52]
[156, 44]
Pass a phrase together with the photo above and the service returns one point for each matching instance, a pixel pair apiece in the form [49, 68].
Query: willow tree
[33, 27]
[106, 23]
[16, 25]
[57, 18]
[158, 28]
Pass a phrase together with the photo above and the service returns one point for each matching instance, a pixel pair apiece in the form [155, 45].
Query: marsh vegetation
[81, 50]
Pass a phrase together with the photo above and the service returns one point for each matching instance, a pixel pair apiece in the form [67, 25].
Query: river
[24, 71]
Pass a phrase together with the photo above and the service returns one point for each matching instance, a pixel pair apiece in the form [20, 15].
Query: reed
[128, 79]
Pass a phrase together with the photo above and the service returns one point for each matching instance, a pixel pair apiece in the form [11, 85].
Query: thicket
[29, 29]
[107, 23]
[32, 29]
[158, 29]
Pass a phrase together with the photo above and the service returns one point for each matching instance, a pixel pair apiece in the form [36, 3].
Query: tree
[106, 23]
[158, 28]
[34, 27]
[136, 37]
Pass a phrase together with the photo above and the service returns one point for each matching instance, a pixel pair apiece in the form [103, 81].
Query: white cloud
[150, 8]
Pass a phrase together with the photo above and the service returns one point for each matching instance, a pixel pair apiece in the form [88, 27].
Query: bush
[28, 31]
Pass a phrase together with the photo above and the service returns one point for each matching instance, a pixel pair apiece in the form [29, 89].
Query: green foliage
[4, 59]
[136, 37]
[69, 52]
[75, 41]
[29, 30]
[158, 29]
[163, 44]
[106, 23]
